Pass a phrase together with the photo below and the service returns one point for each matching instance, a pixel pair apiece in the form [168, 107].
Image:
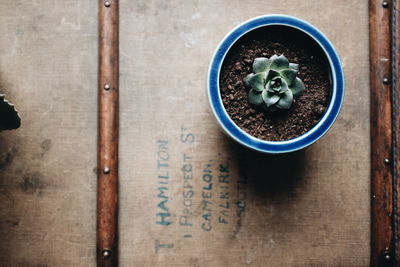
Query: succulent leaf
[269, 88]
[279, 62]
[255, 98]
[277, 85]
[272, 74]
[247, 79]
[261, 64]
[297, 87]
[288, 75]
[286, 100]
[274, 83]
[294, 66]
[270, 98]
[284, 86]
[257, 81]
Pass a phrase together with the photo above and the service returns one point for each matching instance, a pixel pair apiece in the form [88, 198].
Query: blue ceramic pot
[337, 83]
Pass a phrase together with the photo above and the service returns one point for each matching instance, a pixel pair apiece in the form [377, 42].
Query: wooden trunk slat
[382, 226]
[107, 194]
[396, 118]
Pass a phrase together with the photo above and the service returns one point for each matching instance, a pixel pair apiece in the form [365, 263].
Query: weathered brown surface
[385, 112]
[107, 184]
[395, 81]
[381, 135]
[311, 208]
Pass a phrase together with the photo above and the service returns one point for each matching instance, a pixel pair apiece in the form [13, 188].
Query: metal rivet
[387, 256]
[107, 4]
[385, 80]
[107, 87]
[106, 254]
[387, 161]
[385, 4]
[106, 170]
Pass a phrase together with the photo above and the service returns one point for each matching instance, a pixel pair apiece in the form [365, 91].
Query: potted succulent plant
[275, 84]
[9, 118]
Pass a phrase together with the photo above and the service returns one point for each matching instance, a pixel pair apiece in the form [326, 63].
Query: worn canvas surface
[189, 196]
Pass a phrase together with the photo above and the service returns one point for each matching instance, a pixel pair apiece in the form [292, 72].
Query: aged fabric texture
[189, 195]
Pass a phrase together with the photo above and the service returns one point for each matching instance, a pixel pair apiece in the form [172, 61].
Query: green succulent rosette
[274, 83]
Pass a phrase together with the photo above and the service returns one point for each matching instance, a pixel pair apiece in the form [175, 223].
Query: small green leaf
[275, 89]
[247, 79]
[261, 64]
[294, 66]
[270, 98]
[277, 85]
[286, 100]
[284, 87]
[289, 75]
[272, 74]
[257, 81]
[269, 87]
[255, 98]
[279, 62]
[297, 87]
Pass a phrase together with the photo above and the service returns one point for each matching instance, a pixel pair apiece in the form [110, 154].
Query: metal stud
[387, 161]
[107, 87]
[385, 4]
[106, 170]
[107, 4]
[106, 254]
[387, 256]
[385, 80]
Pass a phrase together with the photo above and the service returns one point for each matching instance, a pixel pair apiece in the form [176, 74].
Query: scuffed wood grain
[385, 111]
[395, 82]
[107, 184]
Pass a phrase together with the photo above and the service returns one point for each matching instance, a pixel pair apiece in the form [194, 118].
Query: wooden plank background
[383, 180]
[384, 71]
[310, 208]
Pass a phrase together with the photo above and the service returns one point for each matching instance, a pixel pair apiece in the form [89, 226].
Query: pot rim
[275, 147]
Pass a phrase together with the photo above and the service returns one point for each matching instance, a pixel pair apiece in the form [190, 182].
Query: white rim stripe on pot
[337, 90]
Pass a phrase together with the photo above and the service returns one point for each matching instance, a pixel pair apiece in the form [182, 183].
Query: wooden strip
[382, 247]
[396, 118]
[108, 84]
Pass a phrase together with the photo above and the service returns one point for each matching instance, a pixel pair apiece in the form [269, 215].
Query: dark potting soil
[306, 110]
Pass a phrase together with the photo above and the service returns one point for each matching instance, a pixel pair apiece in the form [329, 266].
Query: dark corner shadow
[269, 175]
[9, 117]
[9, 143]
